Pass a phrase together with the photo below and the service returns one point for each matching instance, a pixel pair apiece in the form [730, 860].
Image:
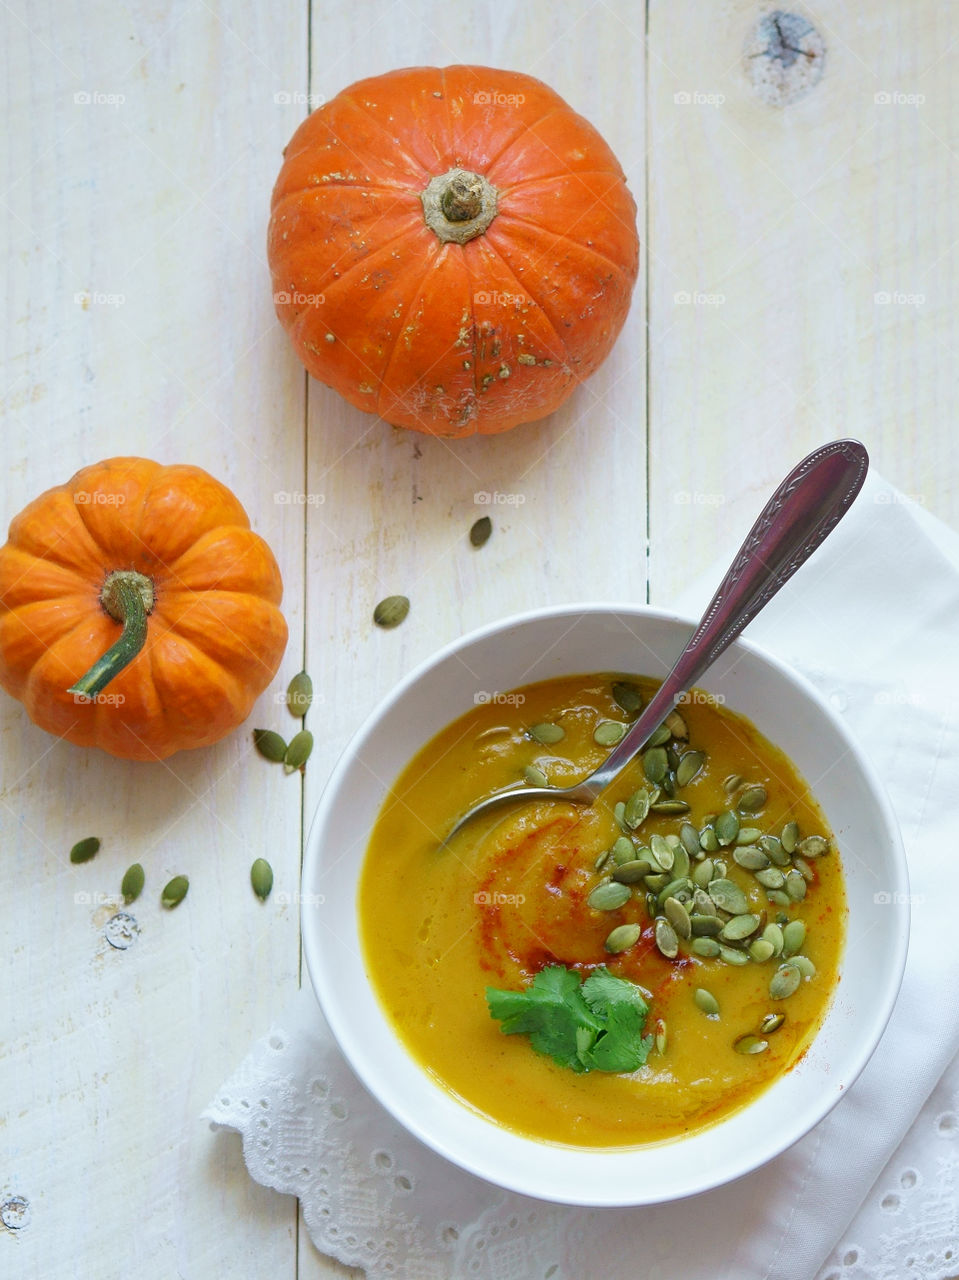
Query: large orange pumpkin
[138, 611]
[452, 248]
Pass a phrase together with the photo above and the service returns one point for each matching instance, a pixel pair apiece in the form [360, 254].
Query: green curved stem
[127, 597]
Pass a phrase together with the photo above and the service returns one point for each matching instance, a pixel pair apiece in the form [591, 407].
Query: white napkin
[873, 621]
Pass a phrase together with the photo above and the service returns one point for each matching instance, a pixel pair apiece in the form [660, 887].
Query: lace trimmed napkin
[871, 1193]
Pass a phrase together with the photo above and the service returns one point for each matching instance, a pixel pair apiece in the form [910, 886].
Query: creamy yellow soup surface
[509, 897]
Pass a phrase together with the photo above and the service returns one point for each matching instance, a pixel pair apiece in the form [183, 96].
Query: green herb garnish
[596, 1026]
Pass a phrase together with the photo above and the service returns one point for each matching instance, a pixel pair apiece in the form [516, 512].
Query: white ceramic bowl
[643, 641]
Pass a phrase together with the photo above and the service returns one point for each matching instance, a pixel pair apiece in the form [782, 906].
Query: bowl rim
[394, 1106]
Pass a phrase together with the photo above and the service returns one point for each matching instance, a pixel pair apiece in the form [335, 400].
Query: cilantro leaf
[596, 1026]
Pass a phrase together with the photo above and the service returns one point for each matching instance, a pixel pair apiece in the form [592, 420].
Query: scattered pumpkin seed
[298, 752]
[707, 1002]
[750, 857]
[771, 878]
[727, 827]
[631, 872]
[747, 835]
[619, 814]
[609, 896]
[480, 531]
[391, 611]
[690, 838]
[678, 917]
[659, 737]
[85, 849]
[623, 850]
[676, 725]
[660, 1036]
[708, 948]
[813, 846]
[719, 869]
[547, 733]
[752, 799]
[739, 928]
[794, 935]
[804, 965]
[774, 933]
[708, 840]
[728, 895]
[795, 886]
[299, 695]
[689, 766]
[662, 853]
[771, 1022]
[732, 956]
[269, 744]
[608, 732]
[785, 981]
[601, 860]
[666, 939]
[705, 926]
[637, 808]
[790, 836]
[680, 861]
[779, 898]
[761, 950]
[656, 881]
[703, 903]
[804, 869]
[703, 872]
[131, 886]
[175, 891]
[732, 782]
[750, 1044]
[655, 766]
[651, 907]
[772, 847]
[261, 878]
[627, 696]
[622, 938]
[672, 756]
[673, 807]
[535, 776]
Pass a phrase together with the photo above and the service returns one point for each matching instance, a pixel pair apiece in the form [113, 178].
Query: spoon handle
[802, 512]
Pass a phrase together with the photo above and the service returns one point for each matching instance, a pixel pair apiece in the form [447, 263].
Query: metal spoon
[802, 512]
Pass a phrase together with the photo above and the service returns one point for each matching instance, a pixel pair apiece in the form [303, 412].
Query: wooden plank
[804, 267]
[136, 185]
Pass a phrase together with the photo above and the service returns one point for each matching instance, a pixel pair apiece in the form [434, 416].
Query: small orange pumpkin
[452, 248]
[138, 610]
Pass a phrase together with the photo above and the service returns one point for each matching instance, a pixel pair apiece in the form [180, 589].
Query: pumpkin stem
[459, 205]
[128, 597]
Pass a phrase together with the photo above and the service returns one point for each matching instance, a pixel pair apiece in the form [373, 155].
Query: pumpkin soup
[608, 976]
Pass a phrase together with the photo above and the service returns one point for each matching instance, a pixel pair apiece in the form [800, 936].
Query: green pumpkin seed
[656, 881]
[761, 950]
[535, 776]
[804, 869]
[703, 872]
[131, 886]
[84, 849]
[659, 737]
[739, 928]
[719, 869]
[790, 836]
[813, 846]
[772, 847]
[750, 1044]
[771, 878]
[779, 898]
[637, 808]
[728, 895]
[669, 785]
[751, 858]
[747, 835]
[703, 903]
[708, 841]
[601, 860]
[298, 752]
[708, 948]
[261, 878]
[732, 956]
[673, 807]
[655, 766]
[676, 725]
[299, 695]
[547, 733]
[672, 757]
[269, 744]
[689, 766]
[785, 981]
[774, 933]
[666, 939]
[627, 696]
[678, 917]
[794, 935]
[391, 612]
[608, 732]
[795, 886]
[752, 799]
[609, 896]
[659, 1036]
[652, 907]
[704, 926]
[662, 853]
[623, 850]
[706, 1002]
[690, 838]
[680, 861]
[622, 938]
[175, 891]
[804, 965]
[631, 872]
[619, 814]
[480, 531]
[727, 827]
[771, 1022]
[679, 888]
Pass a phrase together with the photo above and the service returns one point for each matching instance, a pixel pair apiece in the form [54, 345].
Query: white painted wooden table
[799, 282]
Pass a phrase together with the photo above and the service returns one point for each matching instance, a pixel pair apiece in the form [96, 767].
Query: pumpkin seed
[676, 725]
[813, 846]
[708, 948]
[261, 878]
[658, 880]
[175, 891]
[659, 1036]
[298, 752]
[719, 869]
[753, 859]
[608, 732]
[750, 1044]
[707, 1002]
[739, 928]
[727, 827]
[535, 776]
[804, 869]
[779, 898]
[480, 531]
[690, 838]
[672, 757]
[747, 835]
[785, 981]
[680, 860]
[619, 814]
[627, 696]
[790, 836]
[689, 766]
[708, 841]
[391, 611]
[703, 903]
[804, 965]
[659, 737]
[652, 908]
[623, 850]
[131, 886]
[752, 799]
[673, 807]
[795, 886]
[631, 872]
[771, 1022]
[679, 888]
[547, 733]
[794, 935]
[655, 766]
[662, 853]
[732, 956]
[761, 950]
[771, 878]
[609, 896]
[732, 782]
[269, 744]
[299, 695]
[601, 860]
[703, 872]
[637, 808]
[85, 849]
[704, 926]
[666, 939]
[678, 917]
[622, 937]
[774, 933]
[772, 847]
[728, 895]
